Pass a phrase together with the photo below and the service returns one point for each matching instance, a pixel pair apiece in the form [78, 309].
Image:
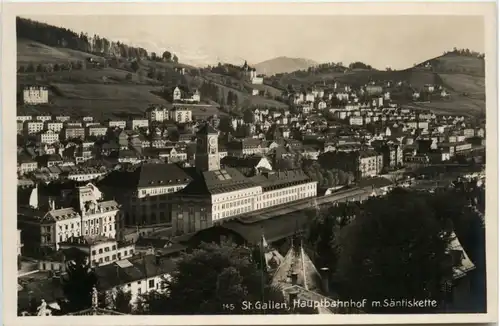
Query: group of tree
[214, 279]
[326, 178]
[359, 65]
[52, 67]
[232, 99]
[65, 38]
[212, 91]
[465, 52]
[227, 69]
[394, 246]
[330, 67]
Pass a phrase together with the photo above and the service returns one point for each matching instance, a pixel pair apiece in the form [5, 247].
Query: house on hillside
[35, 95]
[251, 74]
[182, 94]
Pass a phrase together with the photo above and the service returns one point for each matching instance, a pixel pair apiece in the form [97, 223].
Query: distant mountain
[283, 65]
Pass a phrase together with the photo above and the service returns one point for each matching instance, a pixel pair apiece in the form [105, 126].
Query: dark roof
[377, 182]
[206, 129]
[147, 175]
[274, 228]
[38, 286]
[241, 162]
[142, 267]
[216, 182]
[279, 179]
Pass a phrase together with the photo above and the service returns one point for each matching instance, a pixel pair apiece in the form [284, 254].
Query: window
[114, 257]
[100, 251]
[106, 249]
[151, 283]
[100, 260]
[114, 247]
[139, 290]
[106, 258]
[93, 252]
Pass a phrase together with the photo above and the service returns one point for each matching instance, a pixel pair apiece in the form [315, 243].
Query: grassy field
[244, 97]
[464, 83]
[87, 76]
[459, 63]
[457, 105]
[30, 51]
[109, 92]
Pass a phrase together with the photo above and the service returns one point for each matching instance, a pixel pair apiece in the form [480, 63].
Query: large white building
[216, 193]
[99, 251]
[87, 215]
[35, 95]
[48, 137]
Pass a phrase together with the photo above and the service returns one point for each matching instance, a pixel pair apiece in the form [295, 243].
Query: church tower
[207, 151]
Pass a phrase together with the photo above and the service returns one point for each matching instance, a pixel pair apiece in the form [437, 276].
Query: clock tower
[207, 149]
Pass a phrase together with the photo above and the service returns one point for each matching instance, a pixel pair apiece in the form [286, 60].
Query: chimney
[295, 276]
[325, 279]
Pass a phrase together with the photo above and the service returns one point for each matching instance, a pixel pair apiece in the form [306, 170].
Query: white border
[11, 10]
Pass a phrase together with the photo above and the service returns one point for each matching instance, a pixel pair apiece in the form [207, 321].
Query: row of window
[111, 258]
[234, 204]
[106, 249]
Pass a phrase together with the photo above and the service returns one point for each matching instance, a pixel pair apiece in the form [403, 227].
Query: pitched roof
[147, 175]
[241, 162]
[297, 261]
[216, 182]
[135, 269]
[279, 179]
[465, 265]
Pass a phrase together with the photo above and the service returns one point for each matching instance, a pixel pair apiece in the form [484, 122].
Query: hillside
[461, 75]
[283, 65]
[115, 88]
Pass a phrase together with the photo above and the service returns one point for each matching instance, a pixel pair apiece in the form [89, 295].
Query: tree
[213, 277]
[135, 65]
[248, 116]
[229, 100]
[394, 248]
[128, 76]
[78, 284]
[153, 56]
[167, 56]
[121, 301]
[175, 59]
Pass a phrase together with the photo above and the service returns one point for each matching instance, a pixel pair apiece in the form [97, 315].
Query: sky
[381, 41]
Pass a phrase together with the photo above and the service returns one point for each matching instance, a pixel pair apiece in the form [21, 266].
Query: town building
[133, 124]
[35, 95]
[143, 192]
[99, 250]
[55, 126]
[32, 127]
[74, 133]
[81, 213]
[181, 115]
[47, 137]
[97, 130]
[216, 193]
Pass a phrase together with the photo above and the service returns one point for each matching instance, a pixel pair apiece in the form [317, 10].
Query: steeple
[207, 149]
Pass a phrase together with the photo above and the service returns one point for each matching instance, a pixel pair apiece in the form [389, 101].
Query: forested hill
[64, 38]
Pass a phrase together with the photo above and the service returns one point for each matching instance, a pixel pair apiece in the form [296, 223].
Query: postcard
[249, 163]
